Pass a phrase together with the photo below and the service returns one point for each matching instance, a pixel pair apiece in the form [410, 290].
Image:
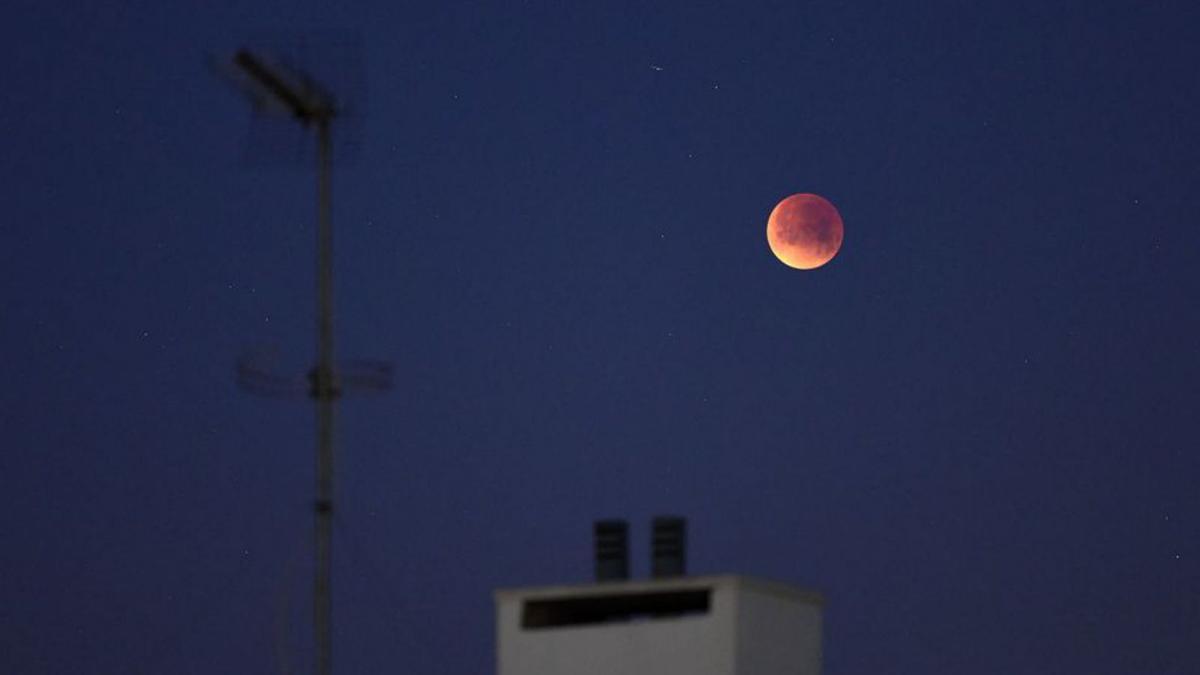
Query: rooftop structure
[667, 625]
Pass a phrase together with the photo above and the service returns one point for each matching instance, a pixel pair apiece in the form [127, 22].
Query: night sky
[974, 430]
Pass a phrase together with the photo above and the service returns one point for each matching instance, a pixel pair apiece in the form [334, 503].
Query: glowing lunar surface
[804, 231]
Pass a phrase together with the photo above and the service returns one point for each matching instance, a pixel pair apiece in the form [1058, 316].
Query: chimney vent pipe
[669, 547]
[611, 539]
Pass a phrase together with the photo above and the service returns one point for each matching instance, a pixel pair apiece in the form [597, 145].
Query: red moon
[804, 231]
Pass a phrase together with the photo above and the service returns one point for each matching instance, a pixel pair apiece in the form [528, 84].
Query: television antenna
[273, 86]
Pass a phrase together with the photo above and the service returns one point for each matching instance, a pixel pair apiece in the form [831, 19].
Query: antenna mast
[312, 106]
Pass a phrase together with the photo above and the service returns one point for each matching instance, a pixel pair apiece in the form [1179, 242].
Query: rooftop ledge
[638, 586]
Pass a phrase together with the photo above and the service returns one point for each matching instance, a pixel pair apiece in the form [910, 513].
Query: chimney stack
[669, 547]
[611, 539]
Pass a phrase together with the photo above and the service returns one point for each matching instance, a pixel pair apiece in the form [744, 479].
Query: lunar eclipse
[804, 231]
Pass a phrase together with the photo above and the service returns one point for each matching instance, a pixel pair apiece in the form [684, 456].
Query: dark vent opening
[615, 608]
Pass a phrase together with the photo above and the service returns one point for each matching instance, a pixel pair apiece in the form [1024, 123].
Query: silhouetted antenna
[256, 373]
[284, 79]
[274, 86]
[297, 93]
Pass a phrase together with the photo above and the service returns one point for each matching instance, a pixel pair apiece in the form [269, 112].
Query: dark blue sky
[974, 430]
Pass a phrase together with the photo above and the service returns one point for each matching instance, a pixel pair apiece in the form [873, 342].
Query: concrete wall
[778, 630]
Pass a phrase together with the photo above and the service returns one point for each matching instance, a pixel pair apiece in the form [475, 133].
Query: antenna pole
[324, 392]
[310, 105]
